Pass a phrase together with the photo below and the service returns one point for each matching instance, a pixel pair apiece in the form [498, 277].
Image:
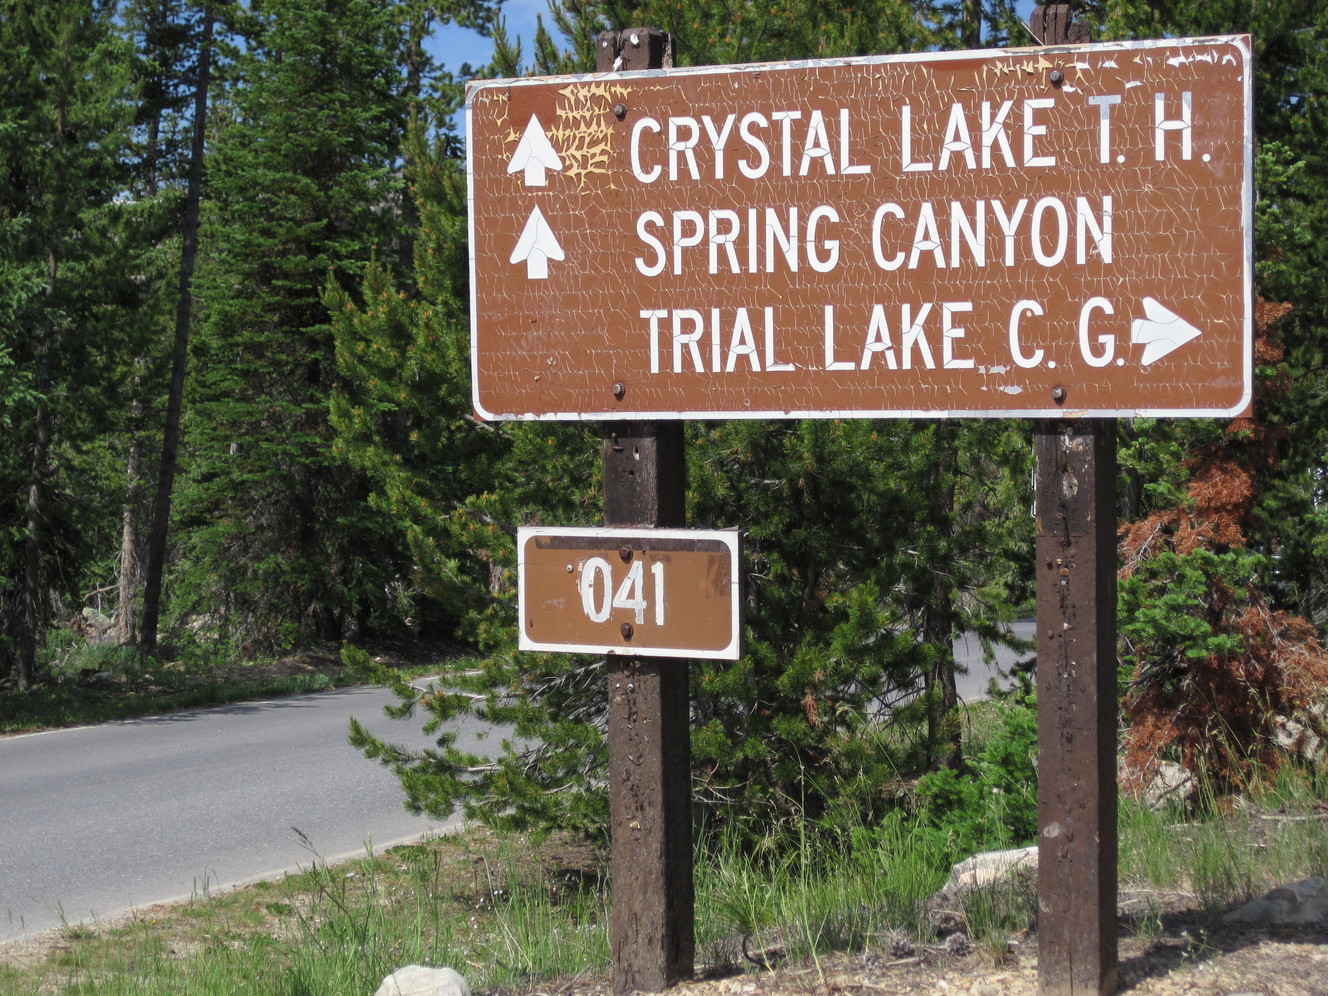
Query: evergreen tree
[179, 352]
[1291, 234]
[19, 285]
[1219, 679]
[166, 36]
[457, 487]
[402, 406]
[64, 86]
[278, 540]
[1229, 542]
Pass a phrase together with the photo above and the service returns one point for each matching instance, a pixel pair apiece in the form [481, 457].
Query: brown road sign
[1042, 232]
[640, 592]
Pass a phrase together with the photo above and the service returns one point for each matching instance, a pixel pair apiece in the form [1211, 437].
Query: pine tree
[402, 406]
[1291, 115]
[402, 412]
[19, 285]
[1219, 679]
[166, 36]
[183, 321]
[279, 542]
[1226, 548]
[65, 87]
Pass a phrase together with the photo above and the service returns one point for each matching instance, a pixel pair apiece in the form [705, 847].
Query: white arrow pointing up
[1160, 331]
[534, 154]
[536, 246]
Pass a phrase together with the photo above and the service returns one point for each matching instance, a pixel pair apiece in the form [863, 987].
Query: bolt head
[626, 631]
[625, 552]
[1058, 395]
[1057, 77]
[620, 111]
[619, 389]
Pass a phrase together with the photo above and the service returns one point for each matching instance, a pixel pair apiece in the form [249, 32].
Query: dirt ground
[1185, 959]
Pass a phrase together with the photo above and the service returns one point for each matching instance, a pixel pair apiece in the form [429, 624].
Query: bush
[992, 804]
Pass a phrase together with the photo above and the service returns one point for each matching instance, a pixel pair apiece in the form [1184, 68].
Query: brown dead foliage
[1220, 715]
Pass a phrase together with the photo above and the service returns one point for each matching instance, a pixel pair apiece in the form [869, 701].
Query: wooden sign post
[650, 789]
[652, 929]
[1078, 852]
[1076, 706]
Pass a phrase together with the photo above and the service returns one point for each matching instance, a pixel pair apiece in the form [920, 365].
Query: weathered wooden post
[1076, 678]
[1076, 689]
[650, 801]
[650, 792]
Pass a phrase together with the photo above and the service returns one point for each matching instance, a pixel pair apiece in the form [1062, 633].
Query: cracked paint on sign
[585, 128]
[1058, 232]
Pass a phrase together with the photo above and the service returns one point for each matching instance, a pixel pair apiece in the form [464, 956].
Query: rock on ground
[1300, 904]
[418, 980]
[984, 870]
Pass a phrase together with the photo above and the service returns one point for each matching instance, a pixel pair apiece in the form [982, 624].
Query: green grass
[144, 689]
[1273, 835]
[508, 913]
[81, 683]
[468, 901]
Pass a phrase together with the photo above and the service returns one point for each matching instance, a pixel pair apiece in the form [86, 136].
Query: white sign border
[619, 536]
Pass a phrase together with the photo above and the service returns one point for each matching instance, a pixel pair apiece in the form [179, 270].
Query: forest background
[235, 402]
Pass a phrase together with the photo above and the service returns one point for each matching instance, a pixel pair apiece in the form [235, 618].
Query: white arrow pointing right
[536, 246]
[534, 155]
[1160, 331]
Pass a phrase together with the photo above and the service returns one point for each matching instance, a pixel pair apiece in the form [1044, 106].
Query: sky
[453, 46]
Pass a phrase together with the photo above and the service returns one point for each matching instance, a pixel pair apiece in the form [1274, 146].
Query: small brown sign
[644, 593]
[1040, 232]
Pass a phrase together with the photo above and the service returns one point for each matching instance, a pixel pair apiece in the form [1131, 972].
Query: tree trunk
[944, 735]
[938, 612]
[170, 446]
[31, 595]
[417, 30]
[129, 532]
[971, 24]
[128, 588]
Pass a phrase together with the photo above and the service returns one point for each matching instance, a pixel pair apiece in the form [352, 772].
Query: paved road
[968, 653]
[100, 820]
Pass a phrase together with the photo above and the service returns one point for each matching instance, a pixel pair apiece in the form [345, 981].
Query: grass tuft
[90, 683]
